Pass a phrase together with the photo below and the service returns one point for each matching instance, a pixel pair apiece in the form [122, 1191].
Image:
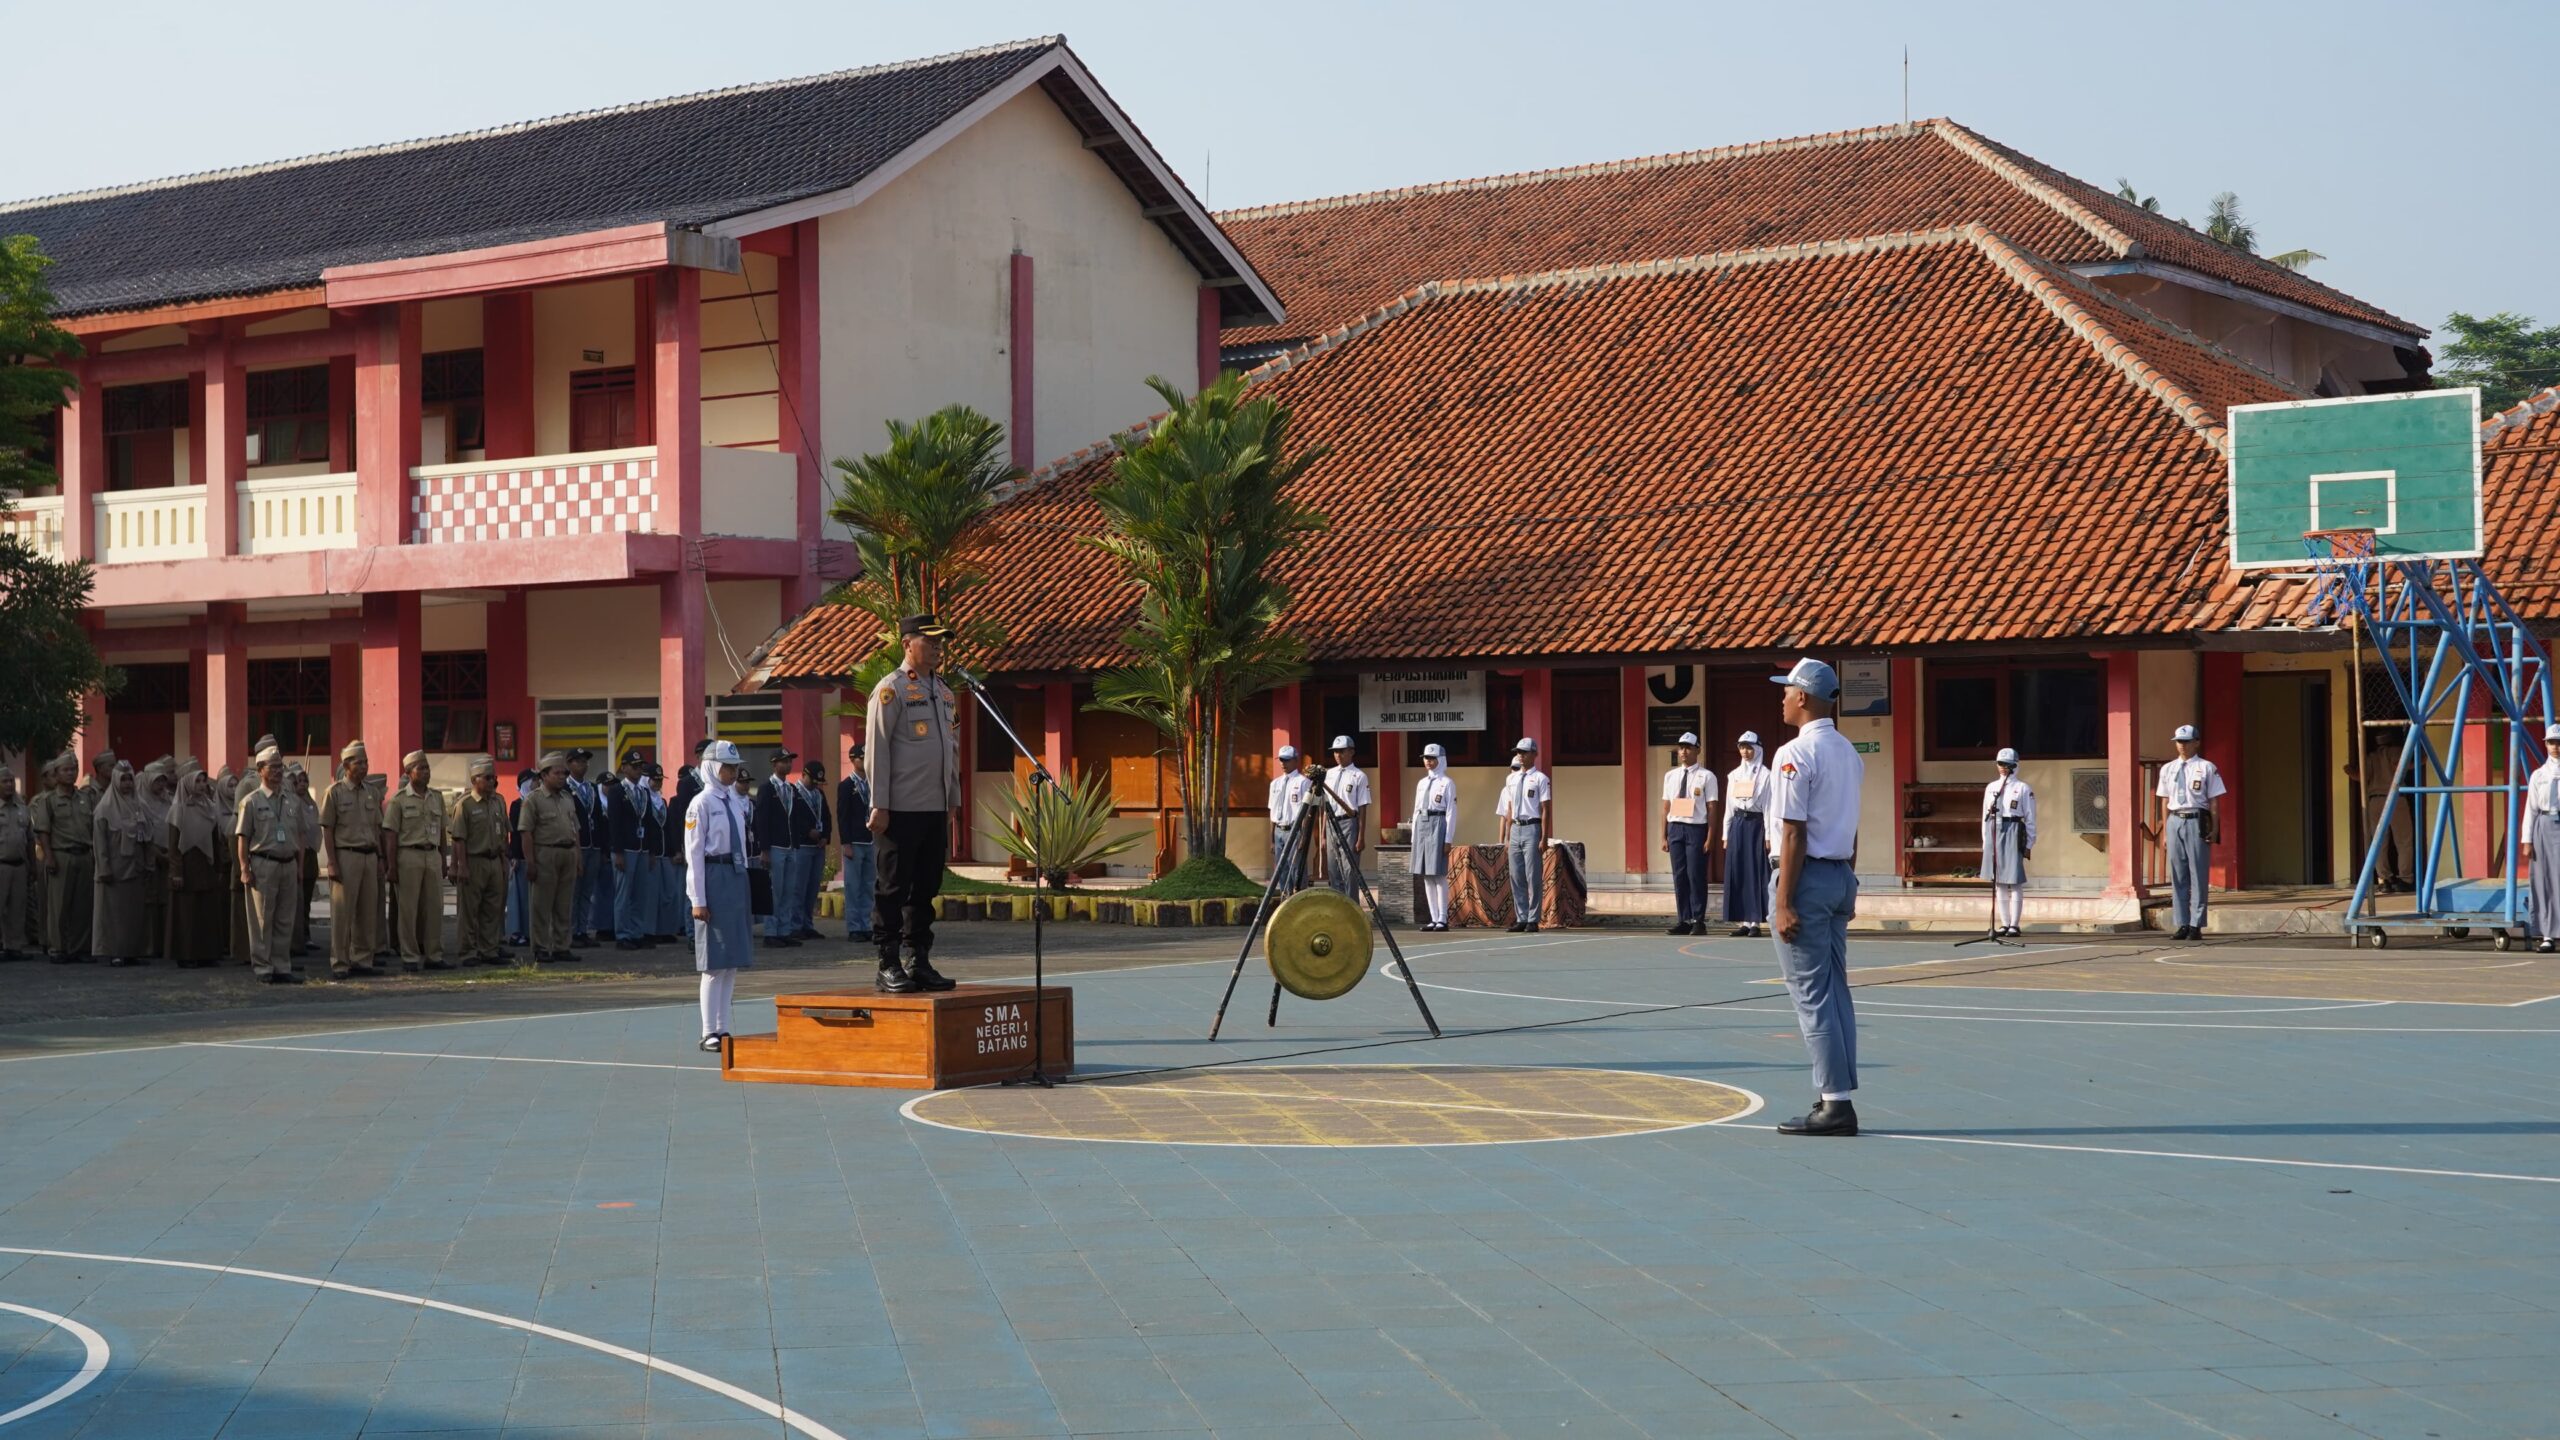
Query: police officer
[477, 824]
[1814, 796]
[62, 819]
[820, 819]
[17, 849]
[2008, 840]
[635, 880]
[853, 832]
[413, 825]
[268, 839]
[1521, 827]
[2541, 848]
[665, 844]
[1688, 832]
[915, 801]
[1435, 823]
[519, 891]
[549, 823]
[2188, 787]
[351, 861]
[1349, 816]
[1289, 792]
[781, 831]
[592, 911]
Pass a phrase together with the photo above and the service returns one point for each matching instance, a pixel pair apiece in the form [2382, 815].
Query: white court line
[2226, 1159]
[90, 1368]
[2087, 1010]
[444, 1055]
[1882, 1014]
[723, 1388]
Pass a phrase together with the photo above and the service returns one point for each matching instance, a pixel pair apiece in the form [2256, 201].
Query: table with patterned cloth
[1480, 886]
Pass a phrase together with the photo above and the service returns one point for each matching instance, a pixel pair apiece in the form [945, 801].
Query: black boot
[1828, 1117]
[922, 972]
[894, 979]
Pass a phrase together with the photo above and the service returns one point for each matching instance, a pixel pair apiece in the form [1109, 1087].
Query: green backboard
[2406, 467]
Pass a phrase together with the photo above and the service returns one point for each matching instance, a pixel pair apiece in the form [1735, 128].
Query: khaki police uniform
[63, 820]
[548, 820]
[912, 731]
[479, 831]
[415, 823]
[17, 857]
[351, 839]
[272, 833]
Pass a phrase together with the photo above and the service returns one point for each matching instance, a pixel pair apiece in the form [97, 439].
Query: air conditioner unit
[2089, 801]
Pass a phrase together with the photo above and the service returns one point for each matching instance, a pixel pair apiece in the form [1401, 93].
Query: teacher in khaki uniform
[351, 862]
[1813, 795]
[413, 821]
[268, 840]
[551, 826]
[911, 727]
[17, 851]
[477, 823]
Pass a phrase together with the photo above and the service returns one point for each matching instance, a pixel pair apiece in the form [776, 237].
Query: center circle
[1343, 1106]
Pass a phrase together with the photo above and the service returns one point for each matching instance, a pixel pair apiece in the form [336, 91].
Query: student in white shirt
[2008, 838]
[2188, 787]
[1435, 819]
[1688, 833]
[1289, 793]
[2541, 848]
[1746, 839]
[1814, 797]
[1521, 816]
[1349, 817]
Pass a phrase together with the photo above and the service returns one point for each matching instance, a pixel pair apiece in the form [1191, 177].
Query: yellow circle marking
[1343, 1106]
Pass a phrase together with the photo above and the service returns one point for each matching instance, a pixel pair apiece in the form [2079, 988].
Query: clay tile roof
[1904, 439]
[1334, 259]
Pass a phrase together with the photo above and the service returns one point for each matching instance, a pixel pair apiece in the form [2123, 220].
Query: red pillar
[1904, 679]
[196, 709]
[508, 702]
[342, 414]
[2218, 683]
[1390, 777]
[83, 465]
[226, 691]
[1634, 796]
[226, 429]
[195, 427]
[93, 736]
[346, 696]
[387, 376]
[1537, 718]
[506, 381]
[1208, 335]
[1025, 453]
[644, 355]
[2124, 774]
[1285, 701]
[393, 722]
[796, 374]
[1058, 727]
[2473, 812]
[675, 352]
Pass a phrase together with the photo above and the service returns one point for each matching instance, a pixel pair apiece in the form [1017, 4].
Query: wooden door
[604, 410]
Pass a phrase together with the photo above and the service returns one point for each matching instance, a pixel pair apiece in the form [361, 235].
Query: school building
[1611, 445]
[519, 438]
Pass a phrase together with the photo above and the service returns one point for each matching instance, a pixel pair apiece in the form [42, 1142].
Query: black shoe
[439, 964]
[922, 972]
[2546, 947]
[626, 944]
[1529, 929]
[1828, 1117]
[1516, 927]
[564, 957]
[805, 933]
[1680, 929]
[283, 977]
[862, 936]
[894, 979]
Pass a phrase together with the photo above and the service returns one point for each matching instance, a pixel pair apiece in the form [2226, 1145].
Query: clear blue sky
[2409, 144]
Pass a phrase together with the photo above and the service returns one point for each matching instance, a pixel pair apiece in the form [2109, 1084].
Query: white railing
[750, 492]
[166, 523]
[300, 512]
[38, 522]
[596, 493]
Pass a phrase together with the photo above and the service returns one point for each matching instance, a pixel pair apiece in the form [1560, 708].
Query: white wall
[602, 640]
[567, 321]
[915, 290]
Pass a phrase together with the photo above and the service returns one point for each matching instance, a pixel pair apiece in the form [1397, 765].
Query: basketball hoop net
[2353, 543]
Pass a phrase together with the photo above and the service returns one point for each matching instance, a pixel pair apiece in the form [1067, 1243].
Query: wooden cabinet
[1941, 825]
[974, 1035]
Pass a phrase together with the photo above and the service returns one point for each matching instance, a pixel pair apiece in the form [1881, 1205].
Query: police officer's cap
[1688, 737]
[634, 755]
[1811, 676]
[579, 753]
[815, 770]
[699, 746]
[1288, 752]
[854, 750]
[786, 753]
[268, 756]
[921, 625]
[412, 761]
[2185, 732]
[2006, 756]
[484, 765]
[354, 750]
[1433, 751]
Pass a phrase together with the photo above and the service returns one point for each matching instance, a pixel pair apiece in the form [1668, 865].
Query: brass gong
[1318, 944]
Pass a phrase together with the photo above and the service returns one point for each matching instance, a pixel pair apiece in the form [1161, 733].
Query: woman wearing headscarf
[124, 850]
[297, 789]
[717, 834]
[1746, 845]
[199, 888]
[158, 786]
[226, 793]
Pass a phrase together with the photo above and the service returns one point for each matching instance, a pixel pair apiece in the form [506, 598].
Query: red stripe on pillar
[504, 623]
[387, 375]
[2125, 800]
[1633, 769]
[1905, 676]
[226, 692]
[226, 428]
[675, 408]
[506, 380]
[393, 724]
[83, 465]
[2219, 680]
[1024, 453]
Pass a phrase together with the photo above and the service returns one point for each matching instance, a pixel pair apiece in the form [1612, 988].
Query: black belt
[1828, 859]
[12, 862]
[572, 845]
[2190, 814]
[355, 849]
[273, 859]
[1524, 824]
[421, 847]
[70, 849]
[488, 854]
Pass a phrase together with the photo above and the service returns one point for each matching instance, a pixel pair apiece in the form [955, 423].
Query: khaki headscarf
[146, 789]
[195, 821]
[122, 819]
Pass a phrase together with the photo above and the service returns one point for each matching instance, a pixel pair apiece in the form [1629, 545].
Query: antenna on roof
[1906, 84]
[1208, 179]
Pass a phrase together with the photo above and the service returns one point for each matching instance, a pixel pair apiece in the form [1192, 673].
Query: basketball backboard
[2407, 467]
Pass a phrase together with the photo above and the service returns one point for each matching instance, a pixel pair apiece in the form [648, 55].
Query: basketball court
[2106, 1189]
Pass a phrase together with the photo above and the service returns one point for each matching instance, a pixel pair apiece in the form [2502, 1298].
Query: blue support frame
[2461, 660]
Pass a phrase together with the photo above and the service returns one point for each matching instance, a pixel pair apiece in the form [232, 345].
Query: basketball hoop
[2352, 543]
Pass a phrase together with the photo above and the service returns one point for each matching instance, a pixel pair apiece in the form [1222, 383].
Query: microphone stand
[1039, 971]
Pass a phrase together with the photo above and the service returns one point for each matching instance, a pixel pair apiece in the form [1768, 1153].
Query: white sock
[711, 1003]
[1833, 1095]
[1437, 892]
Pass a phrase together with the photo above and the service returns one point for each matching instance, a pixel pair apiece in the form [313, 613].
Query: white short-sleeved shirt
[1437, 794]
[1690, 789]
[1817, 780]
[2542, 788]
[1350, 785]
[2190, 784]
[1524, 796]
[1288, 796]
[2009, 798]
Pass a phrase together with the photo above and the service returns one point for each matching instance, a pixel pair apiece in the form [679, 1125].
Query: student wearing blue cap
[1688, 833]
[1290, 790]
[2188, 787]
[1521, 818]
[2008, 839]
[1813, 796]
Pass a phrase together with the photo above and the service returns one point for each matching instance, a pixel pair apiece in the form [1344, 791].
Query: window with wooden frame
[289, 699]
[141, 424]
[1586, 717]
[289, 416]
[453, 686]
[2047, 710]
[450, 384]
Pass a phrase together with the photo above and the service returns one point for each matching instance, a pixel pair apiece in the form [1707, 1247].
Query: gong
[1318, 944]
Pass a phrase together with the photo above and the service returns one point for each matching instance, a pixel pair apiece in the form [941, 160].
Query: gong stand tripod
[1316, 820]
[1040, 777]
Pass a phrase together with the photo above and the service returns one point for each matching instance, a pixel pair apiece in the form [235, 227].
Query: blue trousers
[516, 901]
[861, 874]
[1688, 870]
[635, 896]
[792, 869]
[2190, 871]
[1816, 965]
[671, 905]
[594, 893]
[1528, 871]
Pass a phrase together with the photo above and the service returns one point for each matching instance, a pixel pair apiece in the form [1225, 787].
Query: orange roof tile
[1332, 260]
[1901, 440]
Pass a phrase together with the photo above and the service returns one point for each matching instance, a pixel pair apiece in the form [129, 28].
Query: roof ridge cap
[428, 142]
[2111, 348]
[1877, 244]
[1663, 161]
[2522, 413]
[1980, 151]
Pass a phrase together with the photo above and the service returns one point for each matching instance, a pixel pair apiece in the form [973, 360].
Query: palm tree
[2295, 259]
[2226, 224]
[1197, 514]
[918, 512]
[2126, 192]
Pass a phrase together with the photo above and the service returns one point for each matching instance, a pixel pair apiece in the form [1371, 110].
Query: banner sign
[1866, 687]
[1665, 724]
[1422, 700]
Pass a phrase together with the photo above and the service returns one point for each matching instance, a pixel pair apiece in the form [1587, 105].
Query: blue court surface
[2106, 1190]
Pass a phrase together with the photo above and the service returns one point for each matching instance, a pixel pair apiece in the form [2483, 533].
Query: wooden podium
[974, 1035]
